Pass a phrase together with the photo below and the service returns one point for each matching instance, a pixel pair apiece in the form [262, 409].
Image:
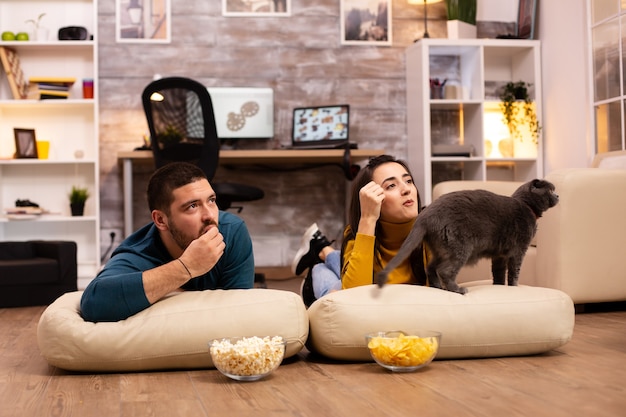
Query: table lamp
[425, 3]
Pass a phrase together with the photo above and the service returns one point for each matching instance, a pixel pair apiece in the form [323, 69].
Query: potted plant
[170, 136]
[78, 196]
[518, 109]
[39, 33]
[461, 18]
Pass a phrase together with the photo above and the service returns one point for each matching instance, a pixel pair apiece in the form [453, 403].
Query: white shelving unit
[70, 125]
[477, 67]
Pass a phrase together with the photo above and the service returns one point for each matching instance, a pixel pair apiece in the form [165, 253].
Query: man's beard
[182, 240]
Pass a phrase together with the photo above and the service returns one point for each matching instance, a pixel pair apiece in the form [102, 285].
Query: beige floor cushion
[173, 333]
[488, 321]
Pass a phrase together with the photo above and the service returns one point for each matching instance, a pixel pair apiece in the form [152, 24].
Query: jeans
[326, 276]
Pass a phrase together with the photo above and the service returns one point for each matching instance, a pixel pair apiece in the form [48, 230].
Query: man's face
[192, 213]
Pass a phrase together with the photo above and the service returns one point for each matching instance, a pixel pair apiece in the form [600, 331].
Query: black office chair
[182, 128]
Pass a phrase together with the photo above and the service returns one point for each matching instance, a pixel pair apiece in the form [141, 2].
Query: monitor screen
[311, 124]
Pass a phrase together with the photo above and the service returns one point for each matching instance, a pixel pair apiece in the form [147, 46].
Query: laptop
[320, 127]
[243, 112]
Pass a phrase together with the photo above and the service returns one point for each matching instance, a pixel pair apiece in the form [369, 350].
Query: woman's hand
[371, 197]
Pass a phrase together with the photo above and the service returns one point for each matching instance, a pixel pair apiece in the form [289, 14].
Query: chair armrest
[65, 253]
[581, 242]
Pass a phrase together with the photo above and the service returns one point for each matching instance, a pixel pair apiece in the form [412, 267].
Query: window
[608, 42]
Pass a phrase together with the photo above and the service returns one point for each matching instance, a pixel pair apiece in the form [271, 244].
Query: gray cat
[462, 227]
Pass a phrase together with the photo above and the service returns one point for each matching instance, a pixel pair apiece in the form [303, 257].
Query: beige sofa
[579, 243]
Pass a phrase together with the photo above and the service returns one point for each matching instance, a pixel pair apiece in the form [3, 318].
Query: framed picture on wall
[526, 19]
[256, 7]
[143, 21]
[25, 143]
[365, 22]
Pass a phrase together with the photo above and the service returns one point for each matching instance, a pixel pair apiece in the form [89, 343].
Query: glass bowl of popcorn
[247, 358]
[401, 351]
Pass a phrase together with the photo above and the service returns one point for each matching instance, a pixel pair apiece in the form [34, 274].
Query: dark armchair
[182, 127]
[36, 272]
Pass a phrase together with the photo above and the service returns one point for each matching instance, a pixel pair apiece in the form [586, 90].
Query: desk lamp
[425, 3]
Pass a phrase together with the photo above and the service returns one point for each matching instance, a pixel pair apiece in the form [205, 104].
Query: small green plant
[170, 136]
[514, 94]
[78, 195]
[36, 22]
[463, 10]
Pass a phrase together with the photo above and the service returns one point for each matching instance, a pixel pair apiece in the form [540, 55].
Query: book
[65, 81]
[12, 68]
[36, 92]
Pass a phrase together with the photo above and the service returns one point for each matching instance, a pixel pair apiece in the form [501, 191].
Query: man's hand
[203, 253]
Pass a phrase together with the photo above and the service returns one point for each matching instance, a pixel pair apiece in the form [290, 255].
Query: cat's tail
[412, 242]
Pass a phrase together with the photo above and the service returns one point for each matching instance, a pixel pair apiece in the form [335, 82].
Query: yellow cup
[43, 148]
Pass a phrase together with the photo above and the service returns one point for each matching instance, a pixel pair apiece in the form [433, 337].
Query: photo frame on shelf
[256, 8]
[25, 143]
[143, 21]
[526, 19]
[13, 70]
[375, 30]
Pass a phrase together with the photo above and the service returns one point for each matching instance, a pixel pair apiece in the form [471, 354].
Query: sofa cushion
[16, 250]
[29, 271]
[172, 333]
[488, 321]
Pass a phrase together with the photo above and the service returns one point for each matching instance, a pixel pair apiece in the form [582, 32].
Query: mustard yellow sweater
[360, 262]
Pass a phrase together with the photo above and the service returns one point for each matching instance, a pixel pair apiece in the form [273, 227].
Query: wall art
[143, 21]
[366, 22]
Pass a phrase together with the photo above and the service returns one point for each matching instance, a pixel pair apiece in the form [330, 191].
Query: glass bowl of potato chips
[401, 351]
[247, 358]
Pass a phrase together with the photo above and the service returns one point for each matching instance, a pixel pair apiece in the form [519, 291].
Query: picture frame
[25, 143]
[143, 21]
[256, 8]
[526, 19]
[375, 31]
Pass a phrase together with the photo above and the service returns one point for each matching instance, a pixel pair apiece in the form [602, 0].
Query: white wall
[496, 10]
[567, 132]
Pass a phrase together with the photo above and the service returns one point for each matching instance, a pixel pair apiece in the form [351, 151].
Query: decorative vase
[78, 209]
[457, 29]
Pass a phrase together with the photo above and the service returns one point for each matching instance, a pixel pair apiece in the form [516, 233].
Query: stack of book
[42, 88]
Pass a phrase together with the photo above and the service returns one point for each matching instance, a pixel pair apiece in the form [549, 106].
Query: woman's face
[400, 204]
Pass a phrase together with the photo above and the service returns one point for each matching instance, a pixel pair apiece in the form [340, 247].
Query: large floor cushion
[172, 334]
[488, 321]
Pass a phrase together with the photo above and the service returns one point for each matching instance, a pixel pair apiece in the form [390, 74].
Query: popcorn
[248, 355]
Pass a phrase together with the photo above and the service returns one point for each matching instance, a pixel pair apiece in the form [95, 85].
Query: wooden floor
[586, 377]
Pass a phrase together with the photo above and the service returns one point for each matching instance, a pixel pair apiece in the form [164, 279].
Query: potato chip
[404, 350]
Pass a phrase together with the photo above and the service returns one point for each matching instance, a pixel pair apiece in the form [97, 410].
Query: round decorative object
[235, 121]
[249, 108]
[506, 147]
[488, 147]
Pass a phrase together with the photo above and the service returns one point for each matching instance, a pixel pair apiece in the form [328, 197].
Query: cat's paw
[462, 290]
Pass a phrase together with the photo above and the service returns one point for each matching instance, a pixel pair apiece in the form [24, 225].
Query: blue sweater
[117, 291]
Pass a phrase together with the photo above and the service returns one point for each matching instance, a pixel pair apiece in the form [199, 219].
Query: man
[190, 245]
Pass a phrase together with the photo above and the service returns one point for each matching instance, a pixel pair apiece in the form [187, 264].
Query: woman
[384, 205]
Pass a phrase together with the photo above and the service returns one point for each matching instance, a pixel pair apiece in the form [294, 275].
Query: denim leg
[326, 276]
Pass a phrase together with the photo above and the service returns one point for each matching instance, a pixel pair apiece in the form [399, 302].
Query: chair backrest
[182, 126]
[610, 160]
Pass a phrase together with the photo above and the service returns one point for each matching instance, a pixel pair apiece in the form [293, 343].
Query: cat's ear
[536, 183]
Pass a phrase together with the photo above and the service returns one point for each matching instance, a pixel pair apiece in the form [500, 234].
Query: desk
[270, 157]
